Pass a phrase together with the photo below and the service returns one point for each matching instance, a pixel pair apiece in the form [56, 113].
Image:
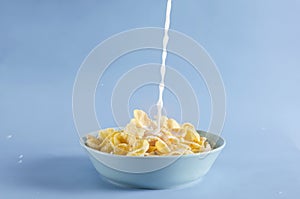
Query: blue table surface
[255, 44]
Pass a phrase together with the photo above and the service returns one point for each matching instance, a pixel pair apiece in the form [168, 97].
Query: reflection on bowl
[155, 172]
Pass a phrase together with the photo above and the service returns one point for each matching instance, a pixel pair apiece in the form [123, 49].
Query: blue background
[255, 44]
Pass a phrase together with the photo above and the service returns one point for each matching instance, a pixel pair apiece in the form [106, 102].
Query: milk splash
[160, 103]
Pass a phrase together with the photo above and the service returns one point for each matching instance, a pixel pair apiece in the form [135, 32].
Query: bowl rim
[204, 154]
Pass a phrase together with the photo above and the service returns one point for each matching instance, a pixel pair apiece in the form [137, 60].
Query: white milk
[160, 103]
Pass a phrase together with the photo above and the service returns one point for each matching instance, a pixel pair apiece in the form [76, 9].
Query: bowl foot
[129, 186]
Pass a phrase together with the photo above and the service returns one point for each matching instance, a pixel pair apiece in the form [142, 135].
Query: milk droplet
[9, 137]
[21, 156]
[20, 161]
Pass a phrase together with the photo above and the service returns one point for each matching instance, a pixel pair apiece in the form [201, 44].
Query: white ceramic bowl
[155, 172]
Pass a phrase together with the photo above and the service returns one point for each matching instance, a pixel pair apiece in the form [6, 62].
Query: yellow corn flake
[187, 125]
[141, 144]
[193, 145]
[105, 133]
[93, 142]
[107, 147]
[170, 140]
[119, 138]
[164, 122]
[141, 119]
[187, 152]
[202, 141]
[130, 139]
[132, 128]
[121, 149]
[151, 149]
[172, 124]
[166, 132]
[196, 147]
[162, 147]
[191, 135]
[207, 146]
[152, 140]
[140, 148]
[181, 148]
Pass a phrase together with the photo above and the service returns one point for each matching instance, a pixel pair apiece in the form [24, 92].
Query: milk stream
[160, 103]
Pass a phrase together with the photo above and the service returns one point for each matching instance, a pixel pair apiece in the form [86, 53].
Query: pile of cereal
[138, 138]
